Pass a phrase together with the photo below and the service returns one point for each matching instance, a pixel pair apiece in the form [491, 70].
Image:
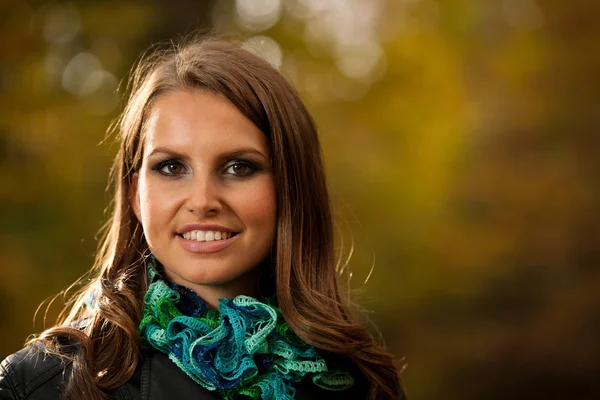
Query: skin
[189, 174]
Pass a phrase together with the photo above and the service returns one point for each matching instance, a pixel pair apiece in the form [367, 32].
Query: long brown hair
[304, 267]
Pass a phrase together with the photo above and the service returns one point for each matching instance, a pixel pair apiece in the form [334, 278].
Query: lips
[205, 238]
[205, 246]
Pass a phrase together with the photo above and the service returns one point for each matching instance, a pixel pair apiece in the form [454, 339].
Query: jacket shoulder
[24, 372]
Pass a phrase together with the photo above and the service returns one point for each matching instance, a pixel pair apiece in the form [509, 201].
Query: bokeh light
[266, 48]
[258, 15]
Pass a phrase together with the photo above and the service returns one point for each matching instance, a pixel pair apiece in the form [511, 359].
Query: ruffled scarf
[245, 348]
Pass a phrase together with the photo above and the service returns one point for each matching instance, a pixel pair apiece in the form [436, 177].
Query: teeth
[208, 236]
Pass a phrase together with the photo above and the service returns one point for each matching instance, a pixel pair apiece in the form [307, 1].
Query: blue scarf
[245, 348]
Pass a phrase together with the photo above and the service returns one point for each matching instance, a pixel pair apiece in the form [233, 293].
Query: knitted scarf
[245, 348]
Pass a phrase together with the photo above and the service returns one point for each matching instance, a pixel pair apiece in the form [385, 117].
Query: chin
[208, 275]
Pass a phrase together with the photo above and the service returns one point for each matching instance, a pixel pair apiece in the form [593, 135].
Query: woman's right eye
[169, 168]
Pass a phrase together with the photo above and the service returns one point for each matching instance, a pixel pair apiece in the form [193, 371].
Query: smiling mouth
[207, 236]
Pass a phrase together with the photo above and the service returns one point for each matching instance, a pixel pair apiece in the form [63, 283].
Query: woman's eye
[239, 168]
[170, 168]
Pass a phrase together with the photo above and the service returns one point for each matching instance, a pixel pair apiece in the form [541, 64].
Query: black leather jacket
[31, 374]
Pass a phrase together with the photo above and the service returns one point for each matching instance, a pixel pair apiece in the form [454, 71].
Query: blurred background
[461, 140]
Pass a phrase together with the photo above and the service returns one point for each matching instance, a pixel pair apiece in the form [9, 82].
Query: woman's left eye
[240, 168]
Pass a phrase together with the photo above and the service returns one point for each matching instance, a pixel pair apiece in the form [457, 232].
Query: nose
[204, 198]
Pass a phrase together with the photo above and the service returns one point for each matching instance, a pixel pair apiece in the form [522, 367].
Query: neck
[246, 284]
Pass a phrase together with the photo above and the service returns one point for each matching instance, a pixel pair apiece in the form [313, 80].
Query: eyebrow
[232, 154]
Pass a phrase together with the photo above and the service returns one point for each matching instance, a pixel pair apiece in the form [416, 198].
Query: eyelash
[245, 163]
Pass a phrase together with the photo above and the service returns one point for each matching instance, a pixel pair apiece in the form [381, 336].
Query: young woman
[215, 277]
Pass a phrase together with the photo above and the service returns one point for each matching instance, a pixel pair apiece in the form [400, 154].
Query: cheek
[155, 202]
[258, 207]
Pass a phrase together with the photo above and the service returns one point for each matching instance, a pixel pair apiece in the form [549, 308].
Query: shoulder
[309, 391]
[26, 371]
[306, 389]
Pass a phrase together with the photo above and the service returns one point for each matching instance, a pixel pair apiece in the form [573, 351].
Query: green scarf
[245, 348]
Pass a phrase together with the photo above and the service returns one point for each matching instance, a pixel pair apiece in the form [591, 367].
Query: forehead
[199, 120]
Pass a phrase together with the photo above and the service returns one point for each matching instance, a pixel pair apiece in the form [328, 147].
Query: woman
[215, 277]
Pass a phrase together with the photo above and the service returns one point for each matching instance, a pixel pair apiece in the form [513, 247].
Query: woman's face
[205, 194]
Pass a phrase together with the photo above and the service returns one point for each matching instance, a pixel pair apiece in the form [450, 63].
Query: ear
[134, 196]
